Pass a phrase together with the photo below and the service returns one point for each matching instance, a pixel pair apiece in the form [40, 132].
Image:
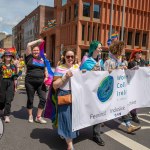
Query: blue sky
[13, 11]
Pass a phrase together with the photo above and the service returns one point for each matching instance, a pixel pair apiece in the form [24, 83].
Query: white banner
[98, 96]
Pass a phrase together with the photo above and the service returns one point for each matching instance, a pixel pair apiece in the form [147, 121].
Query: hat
[7, 53]
[93, 47]
[132, 55]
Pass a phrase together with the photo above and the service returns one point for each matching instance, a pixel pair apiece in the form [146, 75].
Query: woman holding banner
[116, 51]
[136, 61]
[62, 86]
[36, 74]
[94, 63]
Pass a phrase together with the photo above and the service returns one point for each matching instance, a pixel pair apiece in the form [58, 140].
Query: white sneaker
[30, 119]
[40, 120]
[7, 119]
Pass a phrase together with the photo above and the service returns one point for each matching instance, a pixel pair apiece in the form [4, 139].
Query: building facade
[6, 42]
[2, 35]
[31, 26]
[81, 21]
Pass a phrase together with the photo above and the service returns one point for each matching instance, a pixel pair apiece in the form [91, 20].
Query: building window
[64, 2]
[98, 33]
[96, 11]
[65, 13]
[83, 29]
[69, 13]
[86, 9]
[129, 38]
[76, 34]
[93, 33]
[31, 32]
[144, 40]
[75, 10]
[137, 38]
[88, 32]
[84, 52]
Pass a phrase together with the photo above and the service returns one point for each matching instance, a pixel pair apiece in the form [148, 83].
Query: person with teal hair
[94, 63]
[93, 59]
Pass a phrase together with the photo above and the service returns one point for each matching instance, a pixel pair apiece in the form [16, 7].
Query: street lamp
[111, 18]
[123, 15]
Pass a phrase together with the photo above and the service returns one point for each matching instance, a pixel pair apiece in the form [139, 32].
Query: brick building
[31, 26]
[81, 21]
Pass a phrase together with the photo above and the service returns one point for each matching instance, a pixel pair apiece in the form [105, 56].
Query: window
[31, 32]
[75, 10]
[129, 38]
[64, 2]
[83, 52]
[93, 33]
[96, 11]
[65, 13]
[137, 38]
[88, 32]
[144, 39]
[86, 9]
[76, 34]
[98, 33]
[69, 13]
[83, 28]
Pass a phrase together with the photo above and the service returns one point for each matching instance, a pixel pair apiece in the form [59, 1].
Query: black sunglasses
[71, 56]
[139, 52]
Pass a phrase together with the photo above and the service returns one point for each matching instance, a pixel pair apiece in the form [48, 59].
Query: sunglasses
[71, 56]
[139, 52]
[7, 55]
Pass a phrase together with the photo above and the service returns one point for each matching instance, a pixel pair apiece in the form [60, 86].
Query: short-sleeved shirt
[8, 72]
[35, 67]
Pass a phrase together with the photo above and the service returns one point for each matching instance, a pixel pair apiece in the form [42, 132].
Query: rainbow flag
[1, 52]
[48, 66]
[114, 35]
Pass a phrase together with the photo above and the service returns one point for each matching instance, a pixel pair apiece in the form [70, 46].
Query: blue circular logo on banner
[105, 89]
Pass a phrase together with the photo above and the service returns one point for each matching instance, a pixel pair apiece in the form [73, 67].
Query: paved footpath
[21, 135]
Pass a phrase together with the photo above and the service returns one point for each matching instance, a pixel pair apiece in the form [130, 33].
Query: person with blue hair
[94, 63]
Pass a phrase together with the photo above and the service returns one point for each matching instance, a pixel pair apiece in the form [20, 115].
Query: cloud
[1, 19]
[13, 11]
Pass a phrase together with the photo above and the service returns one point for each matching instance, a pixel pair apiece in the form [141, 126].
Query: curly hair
[116, 47]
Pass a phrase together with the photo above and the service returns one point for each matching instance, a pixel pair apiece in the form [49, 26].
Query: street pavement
[21, 135]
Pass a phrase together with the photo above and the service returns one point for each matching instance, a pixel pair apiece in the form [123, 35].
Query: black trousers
[6, 95]
[96, 130]
[133, 113]
[32, 86]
